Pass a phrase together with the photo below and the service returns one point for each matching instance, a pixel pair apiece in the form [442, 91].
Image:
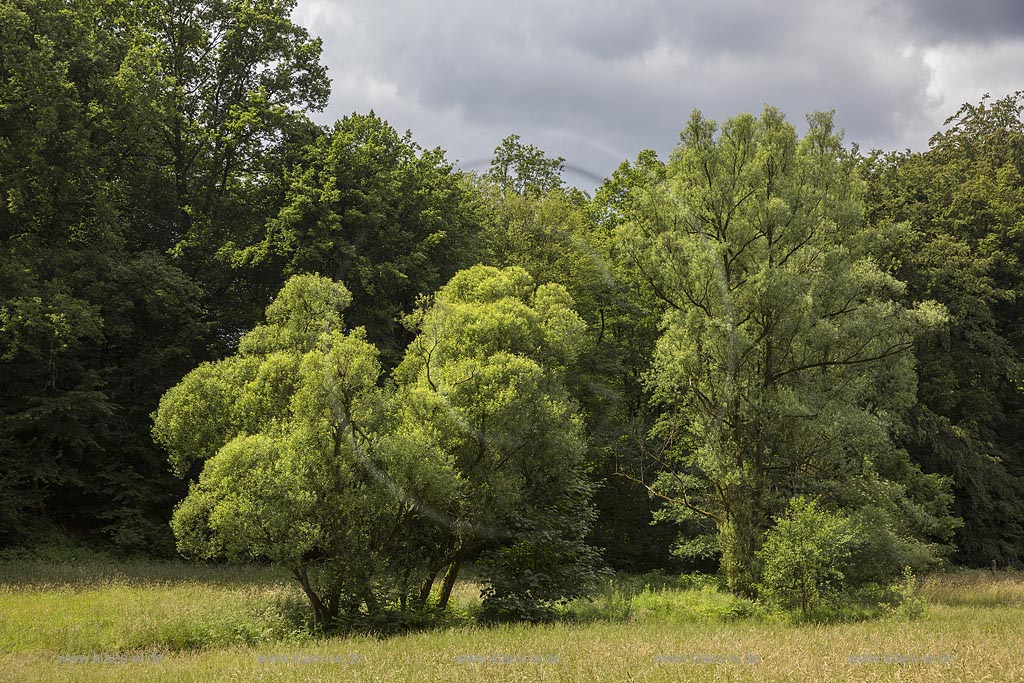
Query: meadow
[96, 620]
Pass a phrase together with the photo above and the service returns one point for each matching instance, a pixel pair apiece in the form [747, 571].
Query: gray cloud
[597, 81]
[960, 21]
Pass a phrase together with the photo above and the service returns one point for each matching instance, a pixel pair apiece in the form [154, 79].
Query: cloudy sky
[596, 81]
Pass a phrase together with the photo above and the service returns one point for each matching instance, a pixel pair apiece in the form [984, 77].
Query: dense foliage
[949, 223]
[784, 365]
[366, 494]
[525, 376]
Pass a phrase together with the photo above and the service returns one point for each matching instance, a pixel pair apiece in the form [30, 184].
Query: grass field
[96, 621]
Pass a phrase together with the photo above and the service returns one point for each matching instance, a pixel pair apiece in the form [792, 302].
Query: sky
[597, 81]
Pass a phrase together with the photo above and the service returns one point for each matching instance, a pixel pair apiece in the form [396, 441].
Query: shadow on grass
[974, 588]
[91, 572]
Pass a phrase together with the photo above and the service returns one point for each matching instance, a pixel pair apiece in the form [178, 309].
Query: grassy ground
[89, 621]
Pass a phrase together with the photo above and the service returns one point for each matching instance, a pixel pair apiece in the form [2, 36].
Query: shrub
[905, 602]
[803, 557]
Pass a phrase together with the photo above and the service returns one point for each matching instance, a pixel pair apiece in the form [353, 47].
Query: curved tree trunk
[321, 612]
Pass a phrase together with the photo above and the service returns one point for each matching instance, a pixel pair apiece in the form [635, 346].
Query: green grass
[223, 623]
[657, 598]
[104, 607]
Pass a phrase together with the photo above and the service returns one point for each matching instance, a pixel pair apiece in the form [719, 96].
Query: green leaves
[804, 555]
[291, 367]
[482, 377]
[307, 462]
[482, 386]
[287, 430]
[784, 357]
[369, 208]
[197, 416]
[94, 323]
[947, 221]
[524, 169]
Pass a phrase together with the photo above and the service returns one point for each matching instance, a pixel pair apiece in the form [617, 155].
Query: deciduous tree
[482, 387]
[948, 221]
[370, 208]
[289, 431]
[785, 363]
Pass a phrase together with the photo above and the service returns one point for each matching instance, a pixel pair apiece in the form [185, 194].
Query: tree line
[327, 347]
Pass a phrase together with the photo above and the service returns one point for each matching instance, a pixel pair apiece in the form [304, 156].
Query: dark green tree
[948, 222]
[94, 322]
[560, 235]
[630, 314]
[234, 80]
[525, 170]
[370, 208]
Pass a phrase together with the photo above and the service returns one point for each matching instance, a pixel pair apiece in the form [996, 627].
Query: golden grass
[974, 589]
[966, 641]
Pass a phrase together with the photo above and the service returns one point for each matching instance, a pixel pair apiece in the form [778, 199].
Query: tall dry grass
[973, 631]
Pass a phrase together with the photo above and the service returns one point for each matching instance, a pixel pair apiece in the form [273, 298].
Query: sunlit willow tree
[287, 429]
[368, 494]
[482, 387]
[784, 365]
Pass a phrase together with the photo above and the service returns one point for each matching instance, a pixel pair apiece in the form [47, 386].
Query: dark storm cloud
[598, 81]
[963, 21]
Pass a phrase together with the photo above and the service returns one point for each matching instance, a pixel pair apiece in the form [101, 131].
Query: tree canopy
[368, 494]
[327, 348]
[949, 224]
[785, 363]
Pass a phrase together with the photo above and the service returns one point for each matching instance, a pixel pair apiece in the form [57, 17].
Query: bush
[803, 558]
[904, 601]
[543, 570]
[824, 564]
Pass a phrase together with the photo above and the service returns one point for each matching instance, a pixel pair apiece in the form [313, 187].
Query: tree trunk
[449, 582]
[428, 585]
[741, 537]
[333, 603]
[321, 615]
[372, 606]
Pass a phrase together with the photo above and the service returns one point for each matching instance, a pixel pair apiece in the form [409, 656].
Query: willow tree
[482, 389]
[784, 363]
[369, 493]
[295, 466]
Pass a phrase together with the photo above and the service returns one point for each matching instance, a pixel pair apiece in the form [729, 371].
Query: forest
[235, 335]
